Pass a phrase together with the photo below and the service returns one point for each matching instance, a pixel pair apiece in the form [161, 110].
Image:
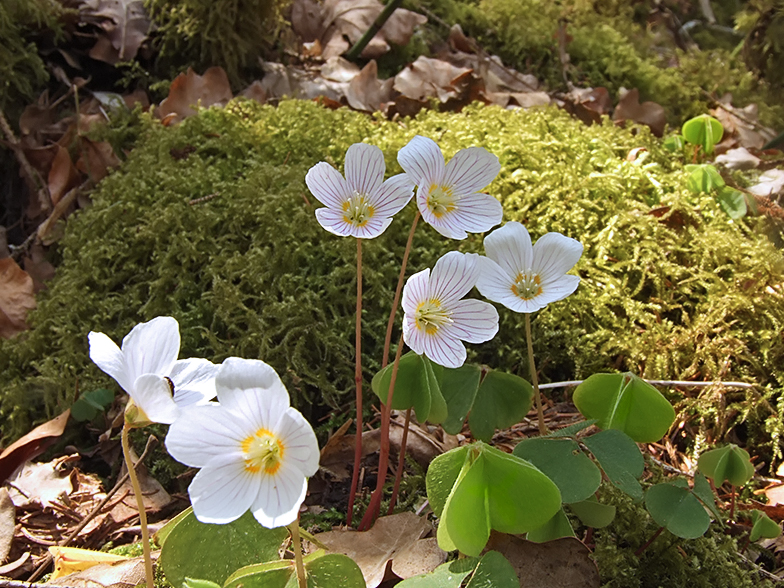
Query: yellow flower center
[357, 211]
[440, 200]
[430, 315]
[527, 285]
[263, 451]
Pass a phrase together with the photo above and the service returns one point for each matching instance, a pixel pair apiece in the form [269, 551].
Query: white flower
[448, 195]
[436, 320]
[527, 278]
[147, 368]
[363, 204]
[253, 449]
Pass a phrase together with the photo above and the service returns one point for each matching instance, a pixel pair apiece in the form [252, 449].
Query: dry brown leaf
[648, 113]
[11, 568]
[366, 92]
[738, 158]
[775, 495]
[306, 19]
[32, 444]
[563, 563]
[280, 80]
[190, 90]
[425, 556]
[97, 159]
[16, 299]
[123, 574]
[255, 92]
[63, 175]
[36, 117]
[391, 537]
[40, 484]
[338, 69]
[588, 104]
[427, 77]
[7, 523]
[125, 24]
[740, 126]
[154, 496]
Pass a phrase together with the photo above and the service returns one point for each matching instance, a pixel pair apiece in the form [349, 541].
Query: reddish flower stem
[358, 382]
[401, 460]
[639, 552]
[534, 376]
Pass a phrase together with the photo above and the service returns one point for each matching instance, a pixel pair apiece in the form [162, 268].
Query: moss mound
[211, 222]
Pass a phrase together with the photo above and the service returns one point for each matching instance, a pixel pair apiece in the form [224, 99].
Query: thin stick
[353, 53]
[383, 460]
[358, 382]
[401, 460]
[639, 552]
[152, 440]
[140, 505]
[534, 376]
[297, 547]
[44, 199]
[732, 503]
[657, 383]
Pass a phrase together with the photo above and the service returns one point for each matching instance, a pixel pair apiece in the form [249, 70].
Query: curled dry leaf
[647, 113]
[40, 484]
[366, 92]
[427, 78]
[125, 27]
[7, 523]
[588, 104]
[63, 175]
[190, 90]
[16, 299]
[32, 444]
[97, 159]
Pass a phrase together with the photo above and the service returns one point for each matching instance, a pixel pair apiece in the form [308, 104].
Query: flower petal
[476, 213]
[280, 496]
[555, 254]
[374, 227]
[444, 350]
[412, 336]
[299, 440]
[194, 381]
[204, 432]
[475, 321]
[107, 356]
[334, 221]
[559, 288]
[223, 490]
[152, 347]
[495, 284]
[152, 394]
[470, 170]
[252, 388]
[416, 291]
[365, 168]
[510, 247]
[453, 277]
[327, 185]
[393, 195]
[423, 161]
[447, 224]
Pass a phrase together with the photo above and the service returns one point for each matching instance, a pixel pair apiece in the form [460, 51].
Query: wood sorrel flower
[147, 368]
[523, 277]
[448, 195]
[254, 450]
[436, 320]
[362, 204]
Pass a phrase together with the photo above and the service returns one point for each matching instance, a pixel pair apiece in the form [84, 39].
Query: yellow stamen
[263, 451]
[440, 200]
[527, 285]
[430, 316]
[357, 211]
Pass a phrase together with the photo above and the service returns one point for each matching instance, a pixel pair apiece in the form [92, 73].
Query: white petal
[152, 394]
[446, 224]
[194, 381]
[510, 247]
[223, 490]
[107, 356]
[393, 195]
[474, 321]
[334, 221]
[252, 388]
[280, 496]
[374, 227]
[555, 254]
[476, 213]
[423, 161]
[412, 336]
[416, 291]
[203, 432]
[327, 185]
[152, 347]
[364, 168]
[470, 170]
[560, 288]
[444, 350]
[453, 277]
[495, 284]
[299, 440]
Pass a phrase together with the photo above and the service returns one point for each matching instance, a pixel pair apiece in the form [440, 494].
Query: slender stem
[401, 460]
[732, 503]
[383, 459]
[382, 18]
[396, 300]
[639, 552]
[358, 381]
[297, 547]
[126, 447]
[534, 376]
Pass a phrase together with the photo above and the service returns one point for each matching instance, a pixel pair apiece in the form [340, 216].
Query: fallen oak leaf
[428, 77]
[648, 113]
[191, 90]
[17, 298]
[366, 92]
[32, 444]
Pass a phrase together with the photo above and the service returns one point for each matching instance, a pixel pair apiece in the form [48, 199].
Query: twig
[60, 208]
[733, 111]
[381, 19]
[760, 569]
[42, 190]
[151, 442]
[571, 383]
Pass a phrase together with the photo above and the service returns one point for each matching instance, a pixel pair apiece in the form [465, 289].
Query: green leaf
[702, 490]
[763, 526]
[502, 400]
[442, 475]
[196, 583]
[703, 179]
[732, 202]
[459, 387]
[494, 571]
[161, 535]
[465, 521]
[91, 403]
[674, 143]
[213, 552]
[727, 464]
[332, 570]
[677, 509]
[558, 526]
[593, 513]
[627, 403]
[704, 131]
[620, 458]
[415, 386]
[572, 430]
[448, 575]
[561, 460]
